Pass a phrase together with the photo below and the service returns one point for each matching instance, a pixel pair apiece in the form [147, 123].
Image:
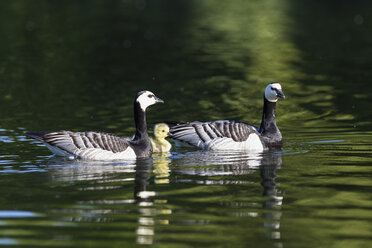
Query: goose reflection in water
[211, 164]
[113, 183]
[216, 168]
[161, 169]
[120, 192]
[274, 196]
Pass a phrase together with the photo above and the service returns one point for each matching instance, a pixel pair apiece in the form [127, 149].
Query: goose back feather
[217, 135]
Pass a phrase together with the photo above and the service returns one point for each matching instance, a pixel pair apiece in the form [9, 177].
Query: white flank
[94, 153]
[253, 143]
[99, 154]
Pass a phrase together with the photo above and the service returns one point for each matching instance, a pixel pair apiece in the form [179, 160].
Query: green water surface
[77, 65]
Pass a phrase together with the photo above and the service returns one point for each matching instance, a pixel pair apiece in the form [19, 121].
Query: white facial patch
[146, 99]
[276, 86]
[270, 93]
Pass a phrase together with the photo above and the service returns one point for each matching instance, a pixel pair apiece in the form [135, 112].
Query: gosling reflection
[161, 167]
[145, 198]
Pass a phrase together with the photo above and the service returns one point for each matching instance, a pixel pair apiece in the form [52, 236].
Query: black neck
[140, 121]
[268, 125]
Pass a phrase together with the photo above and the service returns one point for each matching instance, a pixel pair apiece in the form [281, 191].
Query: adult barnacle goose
[160, 144]
[104, 146]
[233, 135]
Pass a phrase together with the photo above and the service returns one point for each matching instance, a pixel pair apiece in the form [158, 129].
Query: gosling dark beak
[169, 133]
[158, 100]
[280, 93]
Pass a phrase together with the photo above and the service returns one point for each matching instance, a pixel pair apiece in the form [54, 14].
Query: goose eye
[150, 96]
[272, 89]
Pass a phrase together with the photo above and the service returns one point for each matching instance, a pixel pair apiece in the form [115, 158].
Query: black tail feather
[36, 135]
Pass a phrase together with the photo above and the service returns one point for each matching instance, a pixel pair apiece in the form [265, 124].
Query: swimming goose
[104, 146]
[233, 135]
[160, 144]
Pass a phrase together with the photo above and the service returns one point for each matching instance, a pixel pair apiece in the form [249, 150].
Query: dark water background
[76, 65]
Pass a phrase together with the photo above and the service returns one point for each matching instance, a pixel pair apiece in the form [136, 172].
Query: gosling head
[273, 92]
[161, 130]
[147, 98]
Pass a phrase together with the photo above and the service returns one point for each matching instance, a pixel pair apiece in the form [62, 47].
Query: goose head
[161, 130]
[273, 92]
[147, 98]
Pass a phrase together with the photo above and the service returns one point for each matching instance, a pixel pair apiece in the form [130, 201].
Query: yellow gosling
[160, 144]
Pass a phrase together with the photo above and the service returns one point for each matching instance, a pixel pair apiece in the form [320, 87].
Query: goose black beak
[158, 100]
[280, 93]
